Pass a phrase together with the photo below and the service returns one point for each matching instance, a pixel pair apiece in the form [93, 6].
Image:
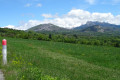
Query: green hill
[45, 60]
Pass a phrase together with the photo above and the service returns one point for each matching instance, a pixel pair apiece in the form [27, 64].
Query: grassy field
[42, 60]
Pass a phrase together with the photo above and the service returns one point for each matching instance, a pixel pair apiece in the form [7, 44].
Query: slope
[63, 61]
[47, 28]
[106, 27]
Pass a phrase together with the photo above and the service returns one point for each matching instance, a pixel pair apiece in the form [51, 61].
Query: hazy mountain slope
[103, 27]
[90, 26]
[93, 29]
[103, 24]
[47, 27]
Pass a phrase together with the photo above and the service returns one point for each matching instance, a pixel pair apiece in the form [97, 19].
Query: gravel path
[1, 75]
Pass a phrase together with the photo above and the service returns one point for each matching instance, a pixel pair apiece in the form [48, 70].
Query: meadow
[47, 60]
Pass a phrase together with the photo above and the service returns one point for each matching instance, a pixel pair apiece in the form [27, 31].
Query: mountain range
[102, 24]
[90, 26]
[47, 28]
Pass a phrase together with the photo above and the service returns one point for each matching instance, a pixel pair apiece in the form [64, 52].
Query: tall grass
[42, 60]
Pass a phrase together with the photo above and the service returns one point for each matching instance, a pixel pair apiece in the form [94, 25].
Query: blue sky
[18, 13]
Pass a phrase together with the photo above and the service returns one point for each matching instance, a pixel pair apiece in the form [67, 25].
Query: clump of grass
[30, 73]
[21, 70]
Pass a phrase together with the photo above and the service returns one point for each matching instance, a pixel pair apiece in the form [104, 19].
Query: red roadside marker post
[4, 51]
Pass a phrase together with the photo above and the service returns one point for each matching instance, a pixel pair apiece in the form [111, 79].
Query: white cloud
[28, 25]
[39, 5]
[91, 1]
[116, 1]
[50, 15]
[110, 2]
[28, 15]
[47, 15]
[35, 0]
[73, 18]
[9, 26]
[28, 5]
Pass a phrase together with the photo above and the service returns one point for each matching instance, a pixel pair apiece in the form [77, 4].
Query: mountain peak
[100, 26]
[46, 27]
[95, 28]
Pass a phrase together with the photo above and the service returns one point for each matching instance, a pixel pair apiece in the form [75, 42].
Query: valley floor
[36, 60]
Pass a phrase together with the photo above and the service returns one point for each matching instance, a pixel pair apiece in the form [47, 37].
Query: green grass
[33, 60]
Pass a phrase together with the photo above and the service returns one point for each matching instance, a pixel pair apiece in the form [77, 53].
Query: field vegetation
[30, 59]
[99, 39]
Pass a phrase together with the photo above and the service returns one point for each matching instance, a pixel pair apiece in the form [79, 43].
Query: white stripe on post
[4, 51]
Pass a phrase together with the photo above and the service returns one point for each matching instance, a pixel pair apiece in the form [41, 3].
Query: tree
[117, 45]
[50, 36]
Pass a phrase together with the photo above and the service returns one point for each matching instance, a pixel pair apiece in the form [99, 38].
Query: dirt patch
[1, 75]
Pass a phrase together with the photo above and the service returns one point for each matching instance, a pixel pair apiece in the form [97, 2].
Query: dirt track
[1, 75]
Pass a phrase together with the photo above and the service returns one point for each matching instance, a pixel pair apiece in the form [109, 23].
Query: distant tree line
[67, 38]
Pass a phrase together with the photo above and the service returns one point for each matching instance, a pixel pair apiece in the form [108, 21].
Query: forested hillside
[100, 39]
